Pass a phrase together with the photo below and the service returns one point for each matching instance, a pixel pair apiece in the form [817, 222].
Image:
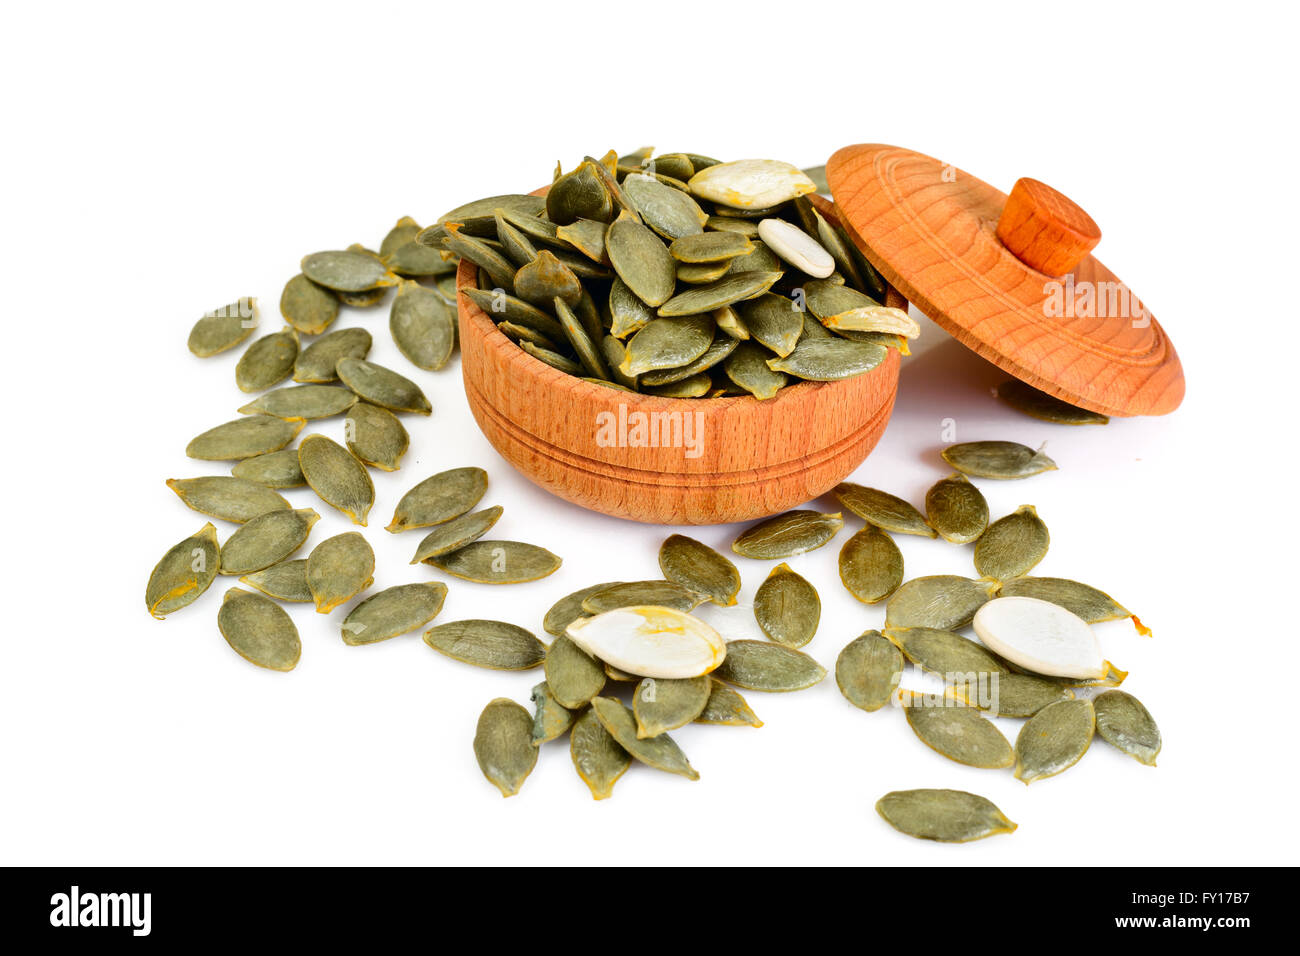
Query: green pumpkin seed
[597, 756]
[414, 259]
[772, 320]
[573, 675]
[703, 273]
[581, 342]
[787, 535]
[393, 611]
[302, 402]
[661, 705]
[871, 566]
[337, 477]
[668, 343]
[224, 328]
[550, 718]
[730, 322]
[554, 359]
[492, 644]
[726, 291]
[338, 569]
[670, 212]
[818, 175]
[787, 607]
[956, 509]
[478, 218]
[308, 307]
[317, 362]
[747, 367]
[613, 673]
[841, 251]
[745, 227]
[500, 271]
[696, 386]
[944, 653]
[423, 326]
[751, 184]
[507, 308]
[710, 247]
[184, 573]
[456, 534]
[660, 752]
[676, 165]
[829, 360]
[286, 581]
[615, 355]
[868, 671]
[1013, 545]
[503, 745]
[641, 260]
[958, 733]
[375, 436]
[221, 496]
[440, 498]
[698, 568]
[588, 237]
[1082, 600]
[546, 278]
[381, 386]
[948, 816]
[942, 601]
[362, 300]
[813, 329]
[348, 270]
[1017, 695]
[1124, 723]
[1054, 739]
[1003, 460]
[762, 259]
[643, 593]
[1023, 397]
[717, 352]
[767, 666]
[404, 231]
[243, 438]
[727, 708]
[519, 333]
[569, 608]
[628, 313]
[267, 362]
[266, 540]
[498, 562]
[259, 630]
[581, 194]
[882, 509]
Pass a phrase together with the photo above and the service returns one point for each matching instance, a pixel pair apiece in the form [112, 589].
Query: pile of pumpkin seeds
[677, 275]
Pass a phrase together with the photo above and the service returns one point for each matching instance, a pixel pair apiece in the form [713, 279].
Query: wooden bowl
[715, 460]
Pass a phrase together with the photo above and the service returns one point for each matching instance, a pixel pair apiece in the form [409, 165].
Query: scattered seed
[597, 756]
[456, 534]
[787, 607]
[943, 652]
[1043, 638]
[868, 671]
[882, 509]
[943, 601]
[787, 535]
[423, 326]
[503, 745]
[1023, 397]
[997, 459]
[1124, 723]
[224, 328]
[491, 644]
[498, 562]
[956, 509]
[727, 708]
[347, 270]
[317, 362]
[662, 705]
[796, 247]
[767, 666]
[698, 568]
[550, 718]
[958, 733]
[1086, 602]
[286, 581]
[569, 608]
[234, 499]
[650, 641]
[267, 362]
[259, 630]
[1017, 695]
[1013, 545]
[1054, 739]
[362, 300]
[375, 436]
[338, 569]
[669, 594]
[266, 540]
[948, 816]
[337, 477]
[573, 675]
[660, 752]
[393, 611]
[871, 566]
[243, 438]
[440, 498]
[308, 307]
[302, 402]
[184, 573]
[381, 386]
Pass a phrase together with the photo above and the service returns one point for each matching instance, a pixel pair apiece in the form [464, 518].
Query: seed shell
[337, 477]
[726, 707]
[660, 752]
[550, 718]
[747, 367]
[751, 184]
[259, 630]
[286, 581]
[382, 386]
[266, 540]
[1042, 637]
[222, 496]
[302, 402]
[787, 535]
[958, 733]
[796, 247]
[184, 573]
[1124, 723]
[787, 607]
[456, 534]
[650, 641]
[1054, 739]
[503, 745]
[668, 343]
[663, 705]
[308, 307]
[768, 666]
[948, 816]
[375, 436]
[641, 260]
[317, 362]
[224, 328]
[423, 326]
[393, 611]
[1023, 397]
[573, 675]
[871, 566]
[669, 594]
[697, 567]
[440, 498]
[338, 569]
[1003, 460]
[498, 562]
[1013, 545]
[347, 270]
[943, 601]
[267, 362]
[599, 759]
[726, 291]
[569, 608]
[868, 671]
[491, 644]
[882, 509]
[956, 509]
[243, 438]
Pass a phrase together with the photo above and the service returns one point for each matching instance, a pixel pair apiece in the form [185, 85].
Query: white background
[161, 161]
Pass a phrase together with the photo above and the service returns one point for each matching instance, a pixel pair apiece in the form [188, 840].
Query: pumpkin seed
[796, 247]
[381, 386]
[747, 367]
[286, 581]
[670, 212]
[767, 666]
[663, 705]
[726, 291]
[221, 496]
[302, 402]
[694, 387]
[1124, 723]
[698, 568]
[569, 608]
[676, 165]
[478, 218]
[423, 326]
[547, 278]
[948, 816]
[586, 349]
[942, 652]
[498, 562]
[956, 509]
[613, 673]
[882, 509]
[375, 436]
[597, 756]
[774, 321]
[259, 630]
[224, 328]
[415, 259]
[669, 594]
[184, 573]
[308, 307]
[1086, 602]
[440, 498]
[508, 308]
[958, 733]
[267, 362]
[1017, 695]
[1054, 739]
[871, 566]
[943, 601]
[519, 333]
[829, 360]
[1042, 637]
[266, 540]
[581, 194]
[1023, 397]
[362, 300]
[668, 343]
[393, 611]
[727, 708]
[818, 175]
[702, 273]
[660, 752]
[841, 250]
[243, 438]
[762, 259]
[710, 247]
[751, 183]
[503, 745]
[572, 675]
[787, 535]
[874, 318]
[868, 671]
[404, 231]
[501, 273]
[717, 352]
[641, 260]
[997, 459]
[628, 313]
[554, 359]
[491, 644]
[730, 322]
[550, 718]
[745, 227]
[317, 362]
[587, 236]
[1013, 545]
[650, 641]
[456, 534]
[337, 477]
[347, 270]
[338, 569]
[787, 607]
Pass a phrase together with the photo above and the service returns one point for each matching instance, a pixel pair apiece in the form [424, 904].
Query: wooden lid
[1010, 277]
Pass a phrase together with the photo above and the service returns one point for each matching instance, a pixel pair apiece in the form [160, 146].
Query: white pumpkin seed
[1041, 637]
[650, 641]
[796, 247]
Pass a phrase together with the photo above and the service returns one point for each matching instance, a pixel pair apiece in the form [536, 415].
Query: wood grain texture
[931, 230]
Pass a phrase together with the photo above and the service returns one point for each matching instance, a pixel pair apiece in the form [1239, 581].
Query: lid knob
[1044, 229]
